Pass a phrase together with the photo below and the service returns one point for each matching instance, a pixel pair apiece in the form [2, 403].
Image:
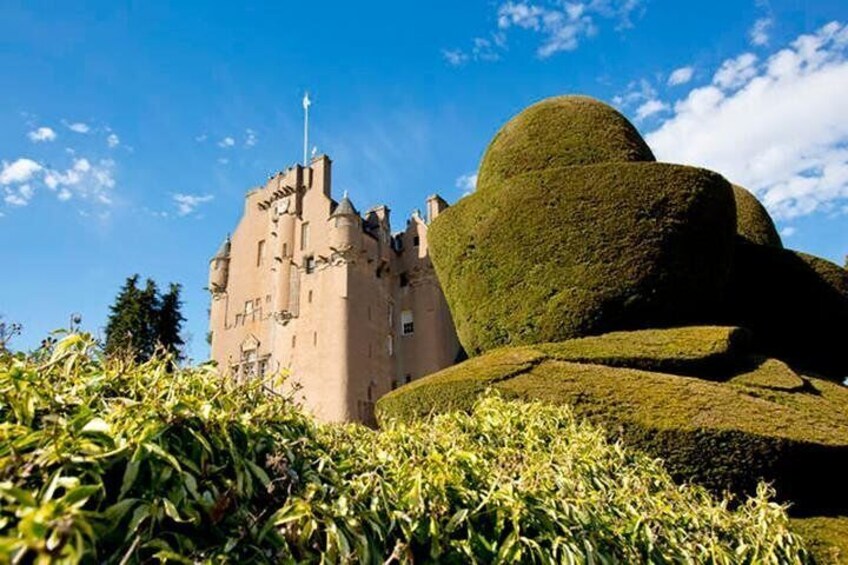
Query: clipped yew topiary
[763, 422]
[753, 222]
[796, 306]
[574, 251]
[558, 132]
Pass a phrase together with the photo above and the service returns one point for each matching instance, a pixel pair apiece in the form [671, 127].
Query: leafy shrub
[753, 222]
[107, 462]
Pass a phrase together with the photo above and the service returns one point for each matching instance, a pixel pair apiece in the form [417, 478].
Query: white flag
[306, 101]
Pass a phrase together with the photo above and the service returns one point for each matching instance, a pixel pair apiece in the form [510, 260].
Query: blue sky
[129, 132]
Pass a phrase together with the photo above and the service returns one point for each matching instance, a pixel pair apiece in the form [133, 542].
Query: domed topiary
[558, 132]
[795, 304]
[753, 221]
[562, 253]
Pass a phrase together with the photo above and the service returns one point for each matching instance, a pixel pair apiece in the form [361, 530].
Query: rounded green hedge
[575, 251]
[558, 132]
[795, 304]
[758, 424]
[753, 221]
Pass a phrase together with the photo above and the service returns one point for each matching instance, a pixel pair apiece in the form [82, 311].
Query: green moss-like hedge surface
[826, 538]
[575, 251]
[796, 306]
[753, 221]
[561, 131]
[762, 422]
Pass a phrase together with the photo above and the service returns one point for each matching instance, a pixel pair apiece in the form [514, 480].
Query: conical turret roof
[345, 208]
[223, 251]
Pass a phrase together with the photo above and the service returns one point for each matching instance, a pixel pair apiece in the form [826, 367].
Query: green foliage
[753, 222]
[575, 251]
[796, 306]
[701, 351]
[764, 421]
[143, 320]
[113, 462]
[826, 537]
[559, 132]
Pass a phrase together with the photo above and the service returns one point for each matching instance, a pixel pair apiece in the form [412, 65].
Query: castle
[308, 286]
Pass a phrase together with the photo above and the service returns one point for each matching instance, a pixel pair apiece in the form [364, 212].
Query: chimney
[435, 205]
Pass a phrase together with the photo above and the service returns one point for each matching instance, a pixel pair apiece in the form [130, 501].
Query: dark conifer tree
[170, 323]
[142, 320]
[126, 327]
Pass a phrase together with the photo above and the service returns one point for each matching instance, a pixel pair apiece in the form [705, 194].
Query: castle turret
[345, 226]
[219, 268]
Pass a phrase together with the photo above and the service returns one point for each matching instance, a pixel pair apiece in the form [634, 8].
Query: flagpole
[306, 103]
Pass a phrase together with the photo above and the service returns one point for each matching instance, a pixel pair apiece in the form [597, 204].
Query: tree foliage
[106, 460]
[143, 319]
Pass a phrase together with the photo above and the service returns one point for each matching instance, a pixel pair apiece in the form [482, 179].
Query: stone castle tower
[309, 286]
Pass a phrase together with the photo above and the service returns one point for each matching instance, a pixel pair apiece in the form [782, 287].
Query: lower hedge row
[102, 461]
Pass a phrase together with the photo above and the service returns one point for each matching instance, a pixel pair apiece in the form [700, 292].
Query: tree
[8, 330]
[170, 322]
[142, 320]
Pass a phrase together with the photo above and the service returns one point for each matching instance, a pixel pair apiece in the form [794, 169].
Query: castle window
[408, 378]
[248, 308]
[260, 253]
[390, 345]
[304, 236]
[309, 263]
[391, 314]
[407, 326]
[285, 250]
[294, 341]
[314, 338]
[404, 280]
[416, 241]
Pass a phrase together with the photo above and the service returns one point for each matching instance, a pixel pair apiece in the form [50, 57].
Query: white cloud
[563, 25]
[454, 57]
[19, 171]
[18, 196]
[113, 140]
[759, 33]
[467, 183]
[78, 127]
[84, 180]
[201, 138]
[560, 24]
[227, 142]
[250, 138]
[650, 108]
[777, 127]
[223, 160]
[736, 72]
[680, 76]
[42, 134]
[186, 203]
[788, 231]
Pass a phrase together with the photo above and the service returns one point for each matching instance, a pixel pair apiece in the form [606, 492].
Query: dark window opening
[404, 280]
[416, 241]
[310, 265]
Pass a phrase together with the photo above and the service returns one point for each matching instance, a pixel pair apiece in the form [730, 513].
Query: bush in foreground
[106, 462]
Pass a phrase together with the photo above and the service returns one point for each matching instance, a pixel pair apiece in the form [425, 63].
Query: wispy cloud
[77, 127]
[650, 108]
[83, 179]
[250, 138]
[227, 142]
[467, 183]
[42, 133]
[113, 140]
[19, 195]
[759, 33]
[560, 26]
[187, 203]
[680, 76]
[776, 126]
